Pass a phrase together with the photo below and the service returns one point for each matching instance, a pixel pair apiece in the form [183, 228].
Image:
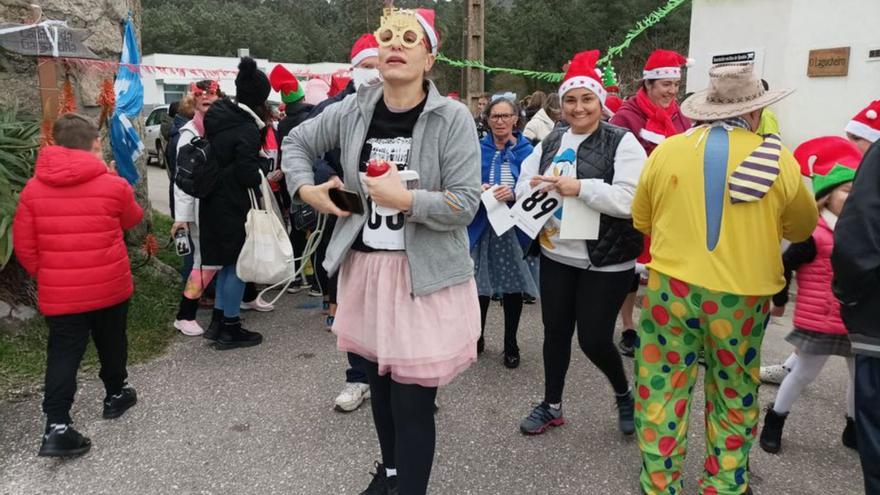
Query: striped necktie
[756, 174]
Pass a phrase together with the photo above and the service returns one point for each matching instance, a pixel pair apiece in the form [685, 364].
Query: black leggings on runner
[404, 418]
[589, 300]
[513, 304]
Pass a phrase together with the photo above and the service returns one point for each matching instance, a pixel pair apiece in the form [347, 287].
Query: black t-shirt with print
[388, 138]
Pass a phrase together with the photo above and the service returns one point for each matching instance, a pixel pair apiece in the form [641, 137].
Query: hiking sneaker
[541, 418]
[351, 397]
[627, 344]
[190, 328]
[849, 437]
[63, 441]
[774, 374]
[115, 405]
[381, 484]
[626, 406]
[257, 304]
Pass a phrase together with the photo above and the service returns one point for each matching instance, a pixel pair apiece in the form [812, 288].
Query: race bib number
[533, 210]
[384, 228]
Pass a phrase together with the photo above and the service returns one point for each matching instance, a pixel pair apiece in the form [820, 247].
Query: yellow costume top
[698, 235]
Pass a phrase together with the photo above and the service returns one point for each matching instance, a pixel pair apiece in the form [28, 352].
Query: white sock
[556, 406]
[390, 472]
[791, 362]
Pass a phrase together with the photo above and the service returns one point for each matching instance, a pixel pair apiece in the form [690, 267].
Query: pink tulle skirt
[424, 340]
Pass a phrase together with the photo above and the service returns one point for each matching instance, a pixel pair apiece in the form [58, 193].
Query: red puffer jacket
[68, 232]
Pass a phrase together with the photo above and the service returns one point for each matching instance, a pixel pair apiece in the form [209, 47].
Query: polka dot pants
[678, 321]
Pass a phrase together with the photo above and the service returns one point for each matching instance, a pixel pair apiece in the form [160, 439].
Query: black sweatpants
[68, 338]
[512, 305]
[404, 418]
[327, 283]
[589, 300]
[867, 387]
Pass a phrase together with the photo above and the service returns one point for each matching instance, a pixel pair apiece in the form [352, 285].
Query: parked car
[153, 141]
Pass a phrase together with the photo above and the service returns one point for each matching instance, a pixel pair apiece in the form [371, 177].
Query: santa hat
[581, 73]
[612, 104]
[286, 83]
[866, 124]
[664, 64]
[365, 47]
[426, 18]
[830, 160]
[337, 85]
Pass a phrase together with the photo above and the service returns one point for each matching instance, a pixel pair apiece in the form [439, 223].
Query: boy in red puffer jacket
[819, 332]
[68, 234]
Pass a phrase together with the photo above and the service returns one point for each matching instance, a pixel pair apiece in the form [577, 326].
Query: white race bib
[532, 210]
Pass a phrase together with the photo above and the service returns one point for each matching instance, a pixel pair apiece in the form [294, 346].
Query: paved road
[260, 420]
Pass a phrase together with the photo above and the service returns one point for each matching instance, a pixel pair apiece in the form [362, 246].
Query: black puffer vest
[618, 240]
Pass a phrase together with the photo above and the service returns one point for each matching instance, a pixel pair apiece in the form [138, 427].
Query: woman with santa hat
[652, 115]
[583, 282]
[400, 247]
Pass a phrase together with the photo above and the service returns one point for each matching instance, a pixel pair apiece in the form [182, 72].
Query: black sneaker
[116, 405]
[63, 441]
[233, 336]
[511, 359]
[625, 413]
[213, 330]
[481, 345]
[381, 484]
[771, 434]
[627, 344]
[528, 299]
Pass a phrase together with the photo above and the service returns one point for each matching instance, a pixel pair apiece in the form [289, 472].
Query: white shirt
[613, 199]
[185, 206]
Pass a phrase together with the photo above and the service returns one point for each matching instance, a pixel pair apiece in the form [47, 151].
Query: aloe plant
[19, 142]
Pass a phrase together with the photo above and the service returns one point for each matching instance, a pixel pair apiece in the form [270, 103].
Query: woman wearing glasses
[407, 297]
[498, 260]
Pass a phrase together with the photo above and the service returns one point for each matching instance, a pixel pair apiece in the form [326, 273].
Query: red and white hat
[664, 64]
[581, 73]
[365, 47]
[426, 19]
[866, 124]
[612, 104]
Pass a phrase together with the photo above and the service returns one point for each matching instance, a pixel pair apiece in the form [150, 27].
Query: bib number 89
[538, 199]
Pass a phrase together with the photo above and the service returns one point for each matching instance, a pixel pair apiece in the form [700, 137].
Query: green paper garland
[555, 77]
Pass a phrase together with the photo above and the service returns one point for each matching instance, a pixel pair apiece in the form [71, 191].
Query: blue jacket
[515, 154]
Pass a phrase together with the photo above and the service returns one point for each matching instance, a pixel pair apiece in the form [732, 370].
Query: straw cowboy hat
[734, 90]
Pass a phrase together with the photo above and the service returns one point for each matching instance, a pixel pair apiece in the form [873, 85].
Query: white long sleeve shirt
[185, 206]
[613, 199]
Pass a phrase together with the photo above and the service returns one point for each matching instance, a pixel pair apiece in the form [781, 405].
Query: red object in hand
[376, 168]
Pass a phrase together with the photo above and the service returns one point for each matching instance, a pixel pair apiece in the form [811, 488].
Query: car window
[155, 117]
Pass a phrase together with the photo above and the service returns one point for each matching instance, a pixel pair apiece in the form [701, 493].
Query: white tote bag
[267, 255]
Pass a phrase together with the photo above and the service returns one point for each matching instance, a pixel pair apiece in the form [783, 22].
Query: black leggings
[513, 304]
[328, 284]
[591, 300]
[404, 418]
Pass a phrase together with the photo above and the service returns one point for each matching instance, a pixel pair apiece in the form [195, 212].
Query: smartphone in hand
[345, 200]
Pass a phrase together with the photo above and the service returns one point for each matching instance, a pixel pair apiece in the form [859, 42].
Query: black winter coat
[235, 139]
[856, 257]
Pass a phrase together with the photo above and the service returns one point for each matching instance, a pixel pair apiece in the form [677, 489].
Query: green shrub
[19, 142]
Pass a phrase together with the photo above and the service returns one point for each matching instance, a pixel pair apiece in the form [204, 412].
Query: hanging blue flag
[129, 89]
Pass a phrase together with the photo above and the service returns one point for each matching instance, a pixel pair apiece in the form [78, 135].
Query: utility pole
[475, 41]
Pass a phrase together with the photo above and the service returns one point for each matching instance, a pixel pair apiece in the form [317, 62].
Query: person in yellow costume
[717, 202]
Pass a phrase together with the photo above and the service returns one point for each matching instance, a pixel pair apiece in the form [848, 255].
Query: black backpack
[197, 171]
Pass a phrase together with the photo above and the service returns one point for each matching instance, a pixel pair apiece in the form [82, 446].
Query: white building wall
[782, 32]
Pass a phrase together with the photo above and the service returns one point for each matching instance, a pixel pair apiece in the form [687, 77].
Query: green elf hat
[831, 161]
[286, 84]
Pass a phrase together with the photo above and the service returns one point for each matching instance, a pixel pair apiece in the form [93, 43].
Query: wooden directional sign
[34, 41]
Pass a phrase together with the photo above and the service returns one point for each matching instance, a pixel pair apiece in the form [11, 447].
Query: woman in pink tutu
[407, 296]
